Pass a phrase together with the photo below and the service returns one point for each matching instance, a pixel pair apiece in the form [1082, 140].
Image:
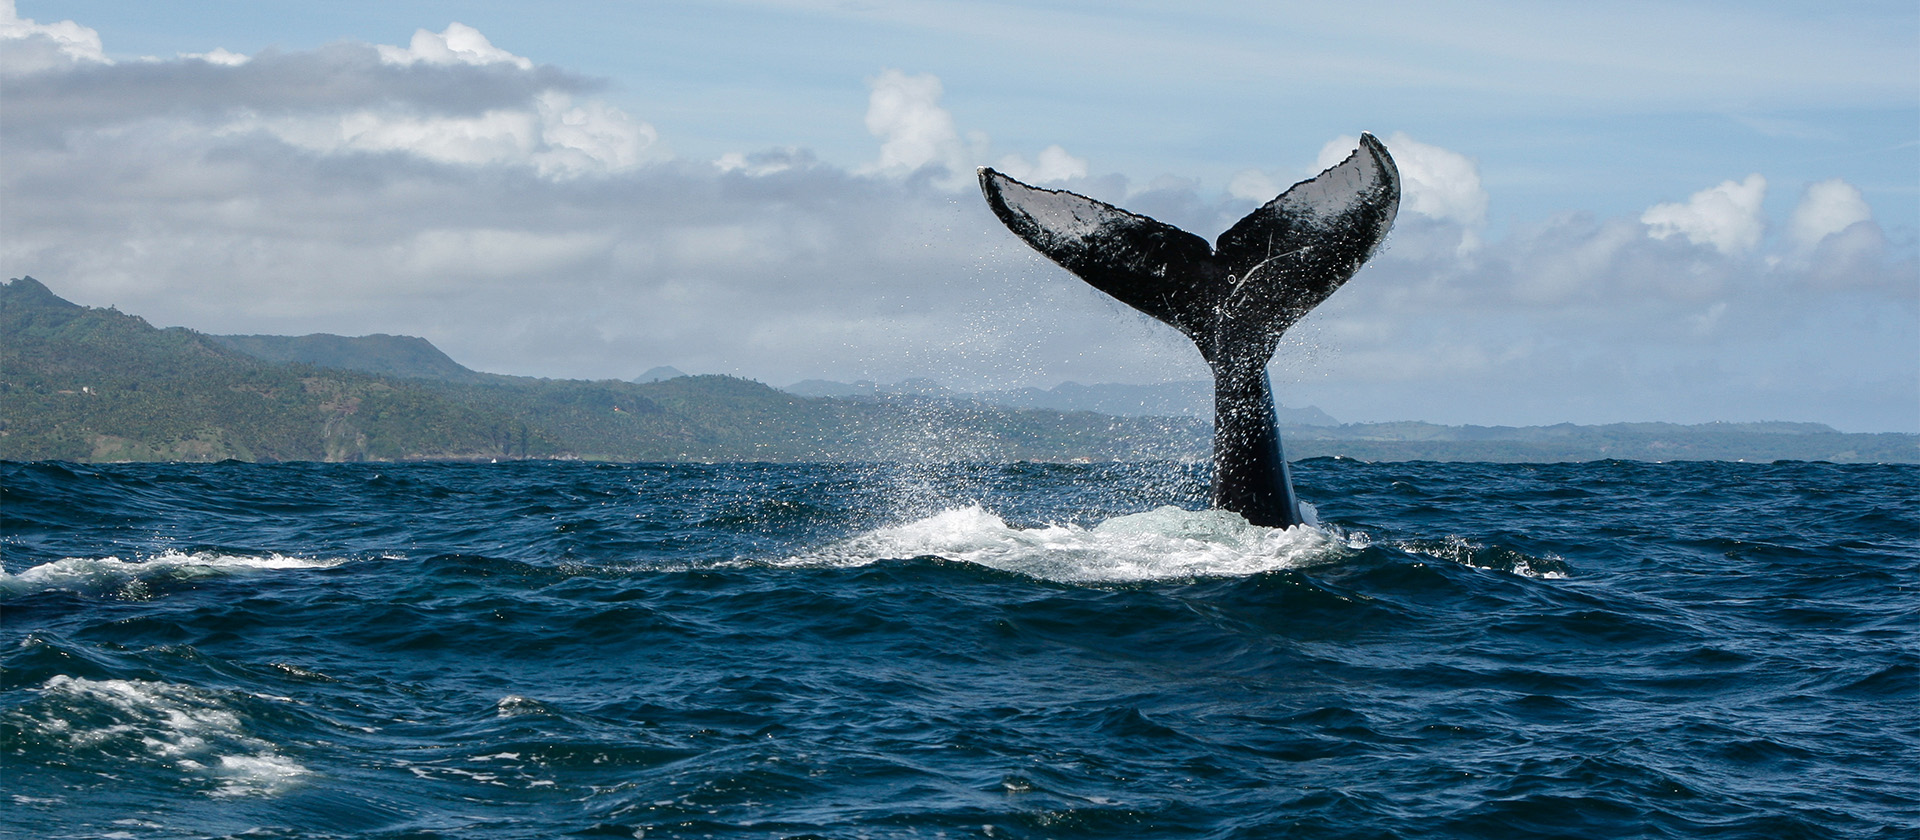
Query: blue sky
[778, 190]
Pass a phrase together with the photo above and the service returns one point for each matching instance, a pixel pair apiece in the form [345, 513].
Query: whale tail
[1234, 298]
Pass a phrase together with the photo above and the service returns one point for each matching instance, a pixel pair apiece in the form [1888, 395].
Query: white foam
[193, 729]
[1457, 549]
[513, 705]
[129, 578]
[1163, 544]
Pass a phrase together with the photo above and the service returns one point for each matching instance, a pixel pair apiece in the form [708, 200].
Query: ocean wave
[1457, 549]
[1167, 543]
[116, 722]
[542, 650]
[133, 578]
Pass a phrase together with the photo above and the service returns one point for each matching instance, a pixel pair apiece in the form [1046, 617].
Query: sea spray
[1166, 543]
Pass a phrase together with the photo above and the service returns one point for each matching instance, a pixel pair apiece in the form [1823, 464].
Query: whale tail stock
[1234, 299]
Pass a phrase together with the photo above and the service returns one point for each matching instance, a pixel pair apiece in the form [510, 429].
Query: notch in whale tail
[1234, 298]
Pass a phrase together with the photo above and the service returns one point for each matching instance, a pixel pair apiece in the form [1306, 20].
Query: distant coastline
[97, 385]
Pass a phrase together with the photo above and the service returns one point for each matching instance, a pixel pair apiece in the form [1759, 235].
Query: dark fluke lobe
[1234, 298]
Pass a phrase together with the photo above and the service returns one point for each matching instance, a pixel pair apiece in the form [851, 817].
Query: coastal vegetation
[98, 385]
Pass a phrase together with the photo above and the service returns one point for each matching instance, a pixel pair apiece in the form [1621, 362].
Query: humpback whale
[1234, 298]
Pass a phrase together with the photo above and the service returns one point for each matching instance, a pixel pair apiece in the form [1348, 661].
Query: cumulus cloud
[28, 47]
[1053, 164]
[1727, 217]
[589, 138]
[915, 132]
[457, 44]
[1827, 208]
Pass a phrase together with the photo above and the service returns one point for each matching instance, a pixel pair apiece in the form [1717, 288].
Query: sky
[1612, 212]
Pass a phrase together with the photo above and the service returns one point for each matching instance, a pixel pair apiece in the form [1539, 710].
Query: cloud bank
[495, 205]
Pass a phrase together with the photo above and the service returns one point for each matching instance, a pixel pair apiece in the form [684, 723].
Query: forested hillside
[85, 384]
[99, 385]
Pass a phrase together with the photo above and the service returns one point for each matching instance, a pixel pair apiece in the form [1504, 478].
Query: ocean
[545, 649]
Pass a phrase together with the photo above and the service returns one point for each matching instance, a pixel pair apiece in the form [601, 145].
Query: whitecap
[513, 705]
[131, 578]
[1167, 543]
[1457, 549]
[197, 731]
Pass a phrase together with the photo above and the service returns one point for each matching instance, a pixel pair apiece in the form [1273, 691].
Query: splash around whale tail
[1234, 298]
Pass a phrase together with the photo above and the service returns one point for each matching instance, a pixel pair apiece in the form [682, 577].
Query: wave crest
[131, 578]
[197, 731]
[1167, 543]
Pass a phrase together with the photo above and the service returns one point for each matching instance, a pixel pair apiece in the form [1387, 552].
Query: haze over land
[1696, 214]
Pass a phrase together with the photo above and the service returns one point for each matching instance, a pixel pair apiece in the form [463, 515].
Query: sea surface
[545, 650]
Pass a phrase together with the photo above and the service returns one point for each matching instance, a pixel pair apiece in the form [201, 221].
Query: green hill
[86, 384]
[98, 385]
[385, 355]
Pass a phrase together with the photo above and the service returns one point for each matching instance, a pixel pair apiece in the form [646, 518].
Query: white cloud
[1054, 164]
[458, 44]
[219, 55]
[915, 132]
[1727, 216]
[27, 47]
[556, 138]
[589, 139]
[1828, 207]
[531, 123]
[499, 136]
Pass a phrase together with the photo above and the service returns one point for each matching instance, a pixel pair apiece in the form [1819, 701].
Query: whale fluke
[1234, 299]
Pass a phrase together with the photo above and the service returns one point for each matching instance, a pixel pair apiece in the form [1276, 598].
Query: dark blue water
[540, 650]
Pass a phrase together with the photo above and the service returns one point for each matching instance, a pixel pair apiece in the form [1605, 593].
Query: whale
[1233, 298]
